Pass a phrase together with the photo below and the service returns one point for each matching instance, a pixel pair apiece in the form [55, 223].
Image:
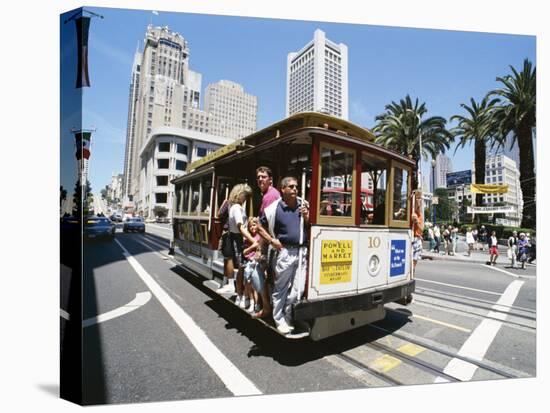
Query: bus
[359, 259]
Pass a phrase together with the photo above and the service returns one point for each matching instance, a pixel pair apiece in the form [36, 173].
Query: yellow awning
[488, 189]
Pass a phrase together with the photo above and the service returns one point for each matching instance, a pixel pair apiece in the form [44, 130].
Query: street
[154, 332]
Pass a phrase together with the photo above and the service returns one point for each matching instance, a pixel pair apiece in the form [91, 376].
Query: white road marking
[457, 286]
[141, 299]
[479, 341]
[235, 381]
[64, 314]
[508, 272]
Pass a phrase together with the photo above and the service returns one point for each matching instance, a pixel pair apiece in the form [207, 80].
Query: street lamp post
[433, 190]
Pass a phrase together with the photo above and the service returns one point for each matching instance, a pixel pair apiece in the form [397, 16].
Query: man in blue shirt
[286, 220]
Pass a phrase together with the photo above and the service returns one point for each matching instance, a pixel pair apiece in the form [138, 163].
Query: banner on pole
[82, 30]
[82, 140]
[488, 189]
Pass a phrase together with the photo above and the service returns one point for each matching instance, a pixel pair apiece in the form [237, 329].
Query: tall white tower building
[164, 96]
[317, 78]
[443, 165]
[233, 111]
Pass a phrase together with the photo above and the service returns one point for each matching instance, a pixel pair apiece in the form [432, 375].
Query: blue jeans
[254, 274]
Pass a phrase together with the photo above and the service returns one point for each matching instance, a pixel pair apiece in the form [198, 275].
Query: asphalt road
[160, 327]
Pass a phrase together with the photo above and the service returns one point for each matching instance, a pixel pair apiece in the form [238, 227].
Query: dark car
[134, 224]
[96, 227]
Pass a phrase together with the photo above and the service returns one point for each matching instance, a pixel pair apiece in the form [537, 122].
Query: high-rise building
[506, 149]
[129, 152]
[164, 95]
[443, 166]
[233, 111]
[317, 78]
[502, 170]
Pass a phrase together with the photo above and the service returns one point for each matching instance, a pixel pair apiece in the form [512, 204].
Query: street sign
[491, 210]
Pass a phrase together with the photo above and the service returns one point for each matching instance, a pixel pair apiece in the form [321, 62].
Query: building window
[201, 151]
[181, 148]
[181, 165]
[163, 163]
[164, 147]
[161, 198]
[162, 180]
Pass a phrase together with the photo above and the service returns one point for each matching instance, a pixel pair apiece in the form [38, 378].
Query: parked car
[134, 224]
[99, 228]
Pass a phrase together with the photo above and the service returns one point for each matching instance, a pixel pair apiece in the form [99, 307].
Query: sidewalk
[478, 256]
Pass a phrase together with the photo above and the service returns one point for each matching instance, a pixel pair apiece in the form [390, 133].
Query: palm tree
[476, 127]
[402, 129]
[517, 116]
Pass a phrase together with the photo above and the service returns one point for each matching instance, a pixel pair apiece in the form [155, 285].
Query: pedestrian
[447, 240]
[437, 238]
[493, 248]
[270, 194]
[523, 248]
[454, 238]
[482, 237]
[470, 240]
[286, 221]
[512, 251]
[475, 235]
[417, 227]
[431, 238]
[237, 230]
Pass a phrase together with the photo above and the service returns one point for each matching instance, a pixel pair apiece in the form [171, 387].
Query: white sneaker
[250, 308]
[282, 327]
[239, 300]
[289, 325]
[228, 288]
[242, 303]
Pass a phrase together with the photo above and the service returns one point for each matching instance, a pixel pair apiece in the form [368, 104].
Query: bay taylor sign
[491, 210]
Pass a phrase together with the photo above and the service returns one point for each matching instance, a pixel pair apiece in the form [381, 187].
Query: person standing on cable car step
[270, 194]
[289, 239]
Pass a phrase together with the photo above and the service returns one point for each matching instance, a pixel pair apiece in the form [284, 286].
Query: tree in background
[446, 208]
[476, 127]
[517, 116]
[401, 128]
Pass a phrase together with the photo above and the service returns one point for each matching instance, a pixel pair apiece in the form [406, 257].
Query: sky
[442, 68]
